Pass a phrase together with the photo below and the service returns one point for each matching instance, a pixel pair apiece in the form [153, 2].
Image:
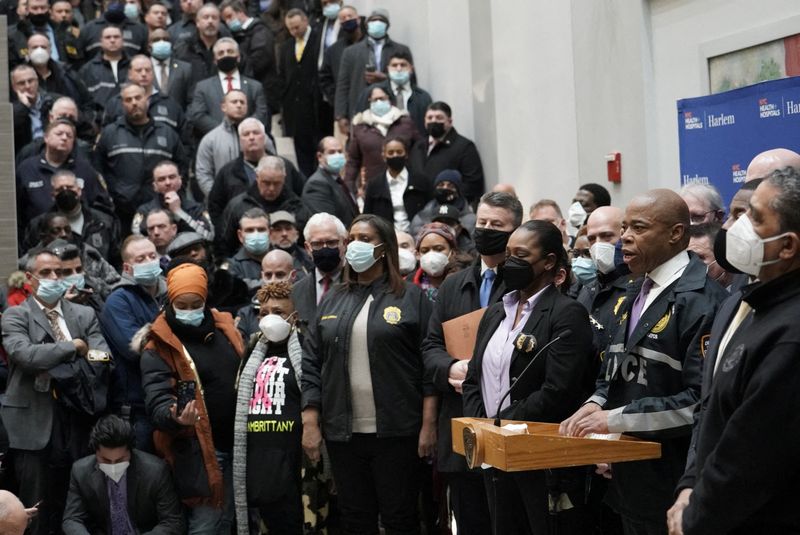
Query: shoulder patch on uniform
[704, 344]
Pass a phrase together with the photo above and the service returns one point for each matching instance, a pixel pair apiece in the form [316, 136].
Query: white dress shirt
[236, 81]
[335, 279]
[405, 93]
[397, 187]
[664, 275]
[62, 324]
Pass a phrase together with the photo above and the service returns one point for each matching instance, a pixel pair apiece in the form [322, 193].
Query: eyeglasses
[696, 219]
[580, 253]
[330, 244]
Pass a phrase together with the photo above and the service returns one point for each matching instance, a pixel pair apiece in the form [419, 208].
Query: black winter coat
[378, 198]
[395, 330]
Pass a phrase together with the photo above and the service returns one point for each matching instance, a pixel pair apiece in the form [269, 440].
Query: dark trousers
[39, 481]
[468, 502]
[518, 505]
[377, 476]
[284, 516]
[643, 527]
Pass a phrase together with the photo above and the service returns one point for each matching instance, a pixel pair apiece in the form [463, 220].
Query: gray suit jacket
[204, 112]
[180, 88]
[322, 194]
[28, 339]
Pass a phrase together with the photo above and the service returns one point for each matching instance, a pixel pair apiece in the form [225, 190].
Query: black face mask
[66, 200]
[445, 196]
[227, 64]
[349, 26]
[489, 241]
[518, 274]
[39, 19]
[327, 259]
[396, 163]
[435, 130]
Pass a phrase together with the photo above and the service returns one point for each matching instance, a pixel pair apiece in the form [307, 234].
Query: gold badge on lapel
[392, 315]
[662, 323]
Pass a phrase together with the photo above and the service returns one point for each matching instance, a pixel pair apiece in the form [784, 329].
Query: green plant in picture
[770, 70]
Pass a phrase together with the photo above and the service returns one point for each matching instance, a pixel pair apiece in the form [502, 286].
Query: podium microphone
[561, 335]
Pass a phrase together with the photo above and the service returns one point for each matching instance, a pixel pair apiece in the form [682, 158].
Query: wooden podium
[541, 447]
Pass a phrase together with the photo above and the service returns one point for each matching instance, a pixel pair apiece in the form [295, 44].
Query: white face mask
[603, 256]
[275, 328]
[39, 56]
[408, 262]
[576, 215]
[744, 249]
[433, 263]
[114, 471]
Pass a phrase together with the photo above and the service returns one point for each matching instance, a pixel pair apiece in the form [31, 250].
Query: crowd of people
[203, 337]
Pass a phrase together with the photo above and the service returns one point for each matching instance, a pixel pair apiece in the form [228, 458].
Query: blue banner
[719, 134]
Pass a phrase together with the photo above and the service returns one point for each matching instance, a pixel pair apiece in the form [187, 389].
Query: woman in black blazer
[560, 379]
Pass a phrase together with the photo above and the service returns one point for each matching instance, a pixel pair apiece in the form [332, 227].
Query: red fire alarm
[614, 167]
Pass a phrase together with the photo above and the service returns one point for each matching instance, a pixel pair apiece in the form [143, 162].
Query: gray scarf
[246, 379]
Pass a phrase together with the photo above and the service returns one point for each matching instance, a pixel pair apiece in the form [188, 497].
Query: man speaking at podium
[649, 384]
[512, 334]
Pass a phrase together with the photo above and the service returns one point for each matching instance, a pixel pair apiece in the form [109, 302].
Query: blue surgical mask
[334, 162]
[360, 255]
[377, 29]
[235, 25]
[51, 290]
[380, 107]
[585, 270]
[147, 273]
[256, 242]
[162, 50]
[77, 280]
[331, 11]
[400, 77]
[132, 11]
[193, 317]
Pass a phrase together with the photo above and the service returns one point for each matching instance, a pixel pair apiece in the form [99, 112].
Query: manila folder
[460, 334]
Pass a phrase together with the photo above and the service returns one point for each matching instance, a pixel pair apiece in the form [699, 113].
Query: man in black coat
[750, 381]
[325, 190]
[179, 78]
[238, 175]
[30, 106]
[301, 97]
[116, 470]
[270, 193]
[444, 148]
[464, 292]
[350, 32]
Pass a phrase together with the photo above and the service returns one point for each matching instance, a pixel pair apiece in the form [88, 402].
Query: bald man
[771, 160]
[603, 230]
[650, 379]
[277, 265]
[13, 516]
[505, 188]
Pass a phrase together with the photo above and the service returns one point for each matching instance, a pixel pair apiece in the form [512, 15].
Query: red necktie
[326, 284]
[230, 83]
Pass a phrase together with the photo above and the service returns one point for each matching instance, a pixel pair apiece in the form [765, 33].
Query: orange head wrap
[187, 279]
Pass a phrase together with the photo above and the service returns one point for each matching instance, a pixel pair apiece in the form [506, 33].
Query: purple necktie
[638, 304]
